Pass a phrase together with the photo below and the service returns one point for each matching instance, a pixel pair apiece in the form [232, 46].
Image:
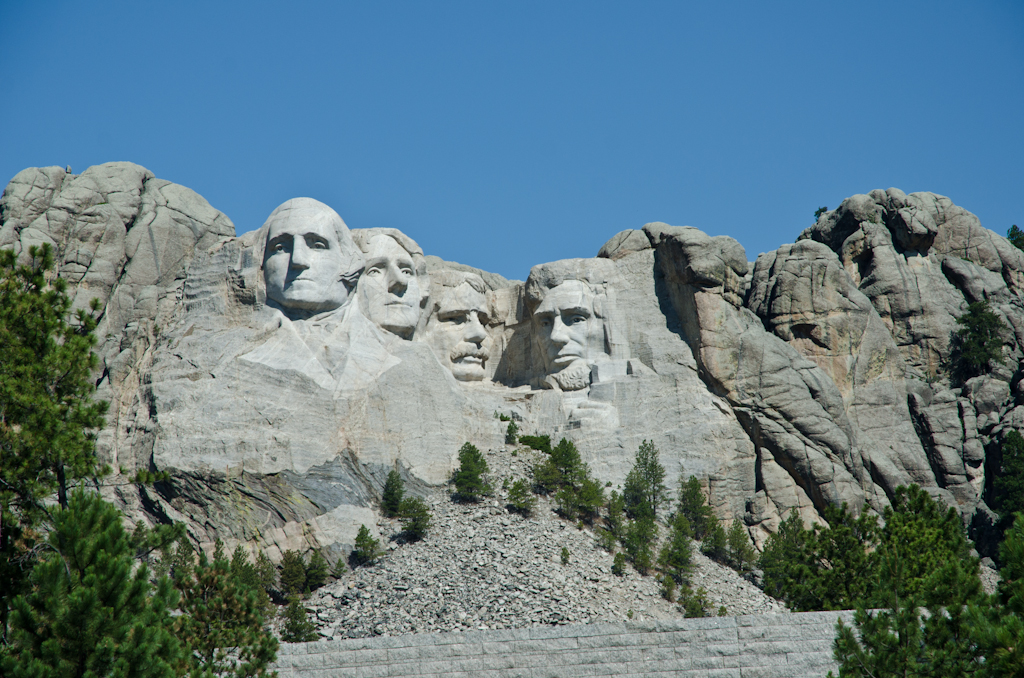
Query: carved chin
[574, 377]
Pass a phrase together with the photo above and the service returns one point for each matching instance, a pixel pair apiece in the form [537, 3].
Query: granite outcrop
[278, 376]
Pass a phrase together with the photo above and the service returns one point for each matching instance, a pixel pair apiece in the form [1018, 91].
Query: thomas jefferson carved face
[457, 333]
[389, 290]
[308, 259]
[569, 333]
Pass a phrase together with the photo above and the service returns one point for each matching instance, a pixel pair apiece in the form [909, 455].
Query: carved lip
[566, 359]
[471, 359]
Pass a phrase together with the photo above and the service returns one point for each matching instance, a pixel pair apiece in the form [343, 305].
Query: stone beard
[390, 290]
[569, 333]
[309, 259]
[456, 329]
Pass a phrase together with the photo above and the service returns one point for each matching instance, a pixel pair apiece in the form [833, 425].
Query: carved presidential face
[389, 291]
[569, 333]
[458, 335]
[303, 262]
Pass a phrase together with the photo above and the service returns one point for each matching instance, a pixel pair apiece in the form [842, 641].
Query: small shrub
[316, 571]
[415, 517]
[722, 612]
[502, 417]
[367, 549]
[629, 614]
[520, 498]
[511, 433]
[293, 573]
[297, 628]
[818, 212]
[539, 443]
[470, 477]
[607, 540]
[619, 565]
[339, 569]
[695, 603]
[391, 498]
[565, 556]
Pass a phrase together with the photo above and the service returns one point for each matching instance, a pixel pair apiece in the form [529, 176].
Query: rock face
[280, 375]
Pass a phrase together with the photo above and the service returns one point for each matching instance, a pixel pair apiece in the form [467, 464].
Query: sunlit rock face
[278, 376]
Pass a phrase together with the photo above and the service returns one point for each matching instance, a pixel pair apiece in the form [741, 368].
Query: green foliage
[470, 477]
[822, 568]
[978, 342]
[520, 498]
[668, 587]
[266, 573]
[339, 569]
[511, 433]
[367, 549]
[619, 565]
[818, 212]
[577, 493]
[644, 490]
[222, 620]
[539, 443]
[1015, 236]
[1008, 484]
[565, 556]
[741, 553]
[641, 537]
[694, 603]
[91, 611]
[48, 419]
[616, 515]
[293, 573]
[676, 557]
[997, 625]
[391, 497]
[693, 505]
[715, 544]
[297, 628]
[316, 571]
[415, 517]
[250, 576]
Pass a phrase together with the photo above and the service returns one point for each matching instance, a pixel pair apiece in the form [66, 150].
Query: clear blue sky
[508, 134]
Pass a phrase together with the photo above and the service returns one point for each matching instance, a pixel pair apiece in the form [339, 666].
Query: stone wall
[753, 646]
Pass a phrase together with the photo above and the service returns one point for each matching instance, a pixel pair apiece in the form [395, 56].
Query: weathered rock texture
[815, 376]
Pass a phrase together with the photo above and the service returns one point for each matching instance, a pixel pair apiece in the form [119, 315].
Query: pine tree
[676, 557]
[367, 549]
[391, 498]
[693, 505]
[1009, 481]
[316, 571]
[979, 341]
[742, 555]
[415, 517]
[715, 544]
[520, 498]
[470, 477]
[247, 575]
[293, 573]
[297, 628]
[91, 611]
[644, 489]
[1015, 236]
[997, 624]
[222, 621]
[48, 418]
[641, 537]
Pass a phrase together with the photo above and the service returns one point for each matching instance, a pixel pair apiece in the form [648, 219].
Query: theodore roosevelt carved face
[456, 328]
[310, 262]
[394, 285]
[573, 319]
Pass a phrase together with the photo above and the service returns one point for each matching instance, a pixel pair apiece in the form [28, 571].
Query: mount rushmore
[278, 376]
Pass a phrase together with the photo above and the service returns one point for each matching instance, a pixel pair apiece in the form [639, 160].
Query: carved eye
[576, 319]
[373, 272]
[319, 245]
[279, 247]
[545, 322]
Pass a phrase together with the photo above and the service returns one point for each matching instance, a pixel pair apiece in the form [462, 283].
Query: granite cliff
[278, 376]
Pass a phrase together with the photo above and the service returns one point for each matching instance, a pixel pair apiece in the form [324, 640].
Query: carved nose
[397, 281]
[559, 332]
[300, 254]
[475, 331]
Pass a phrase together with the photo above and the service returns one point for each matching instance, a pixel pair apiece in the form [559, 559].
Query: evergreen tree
[741, 553]
[539, 443]
[676, 557]
[367, 549]
[415, 518]
[978, 342]
[293, 573]
[715, 544]
[1015, 236]
[693, 505]
[297, 628]
[641, 536]
[520, 498]
[48, 418]
[644, 489]
[997, 624]
[1009, 481]
[247, 575]
[222, 621]
[316, 571]
[391, 498]
[266, 573]
[470, 477]
[511, 433]
[91, 611]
